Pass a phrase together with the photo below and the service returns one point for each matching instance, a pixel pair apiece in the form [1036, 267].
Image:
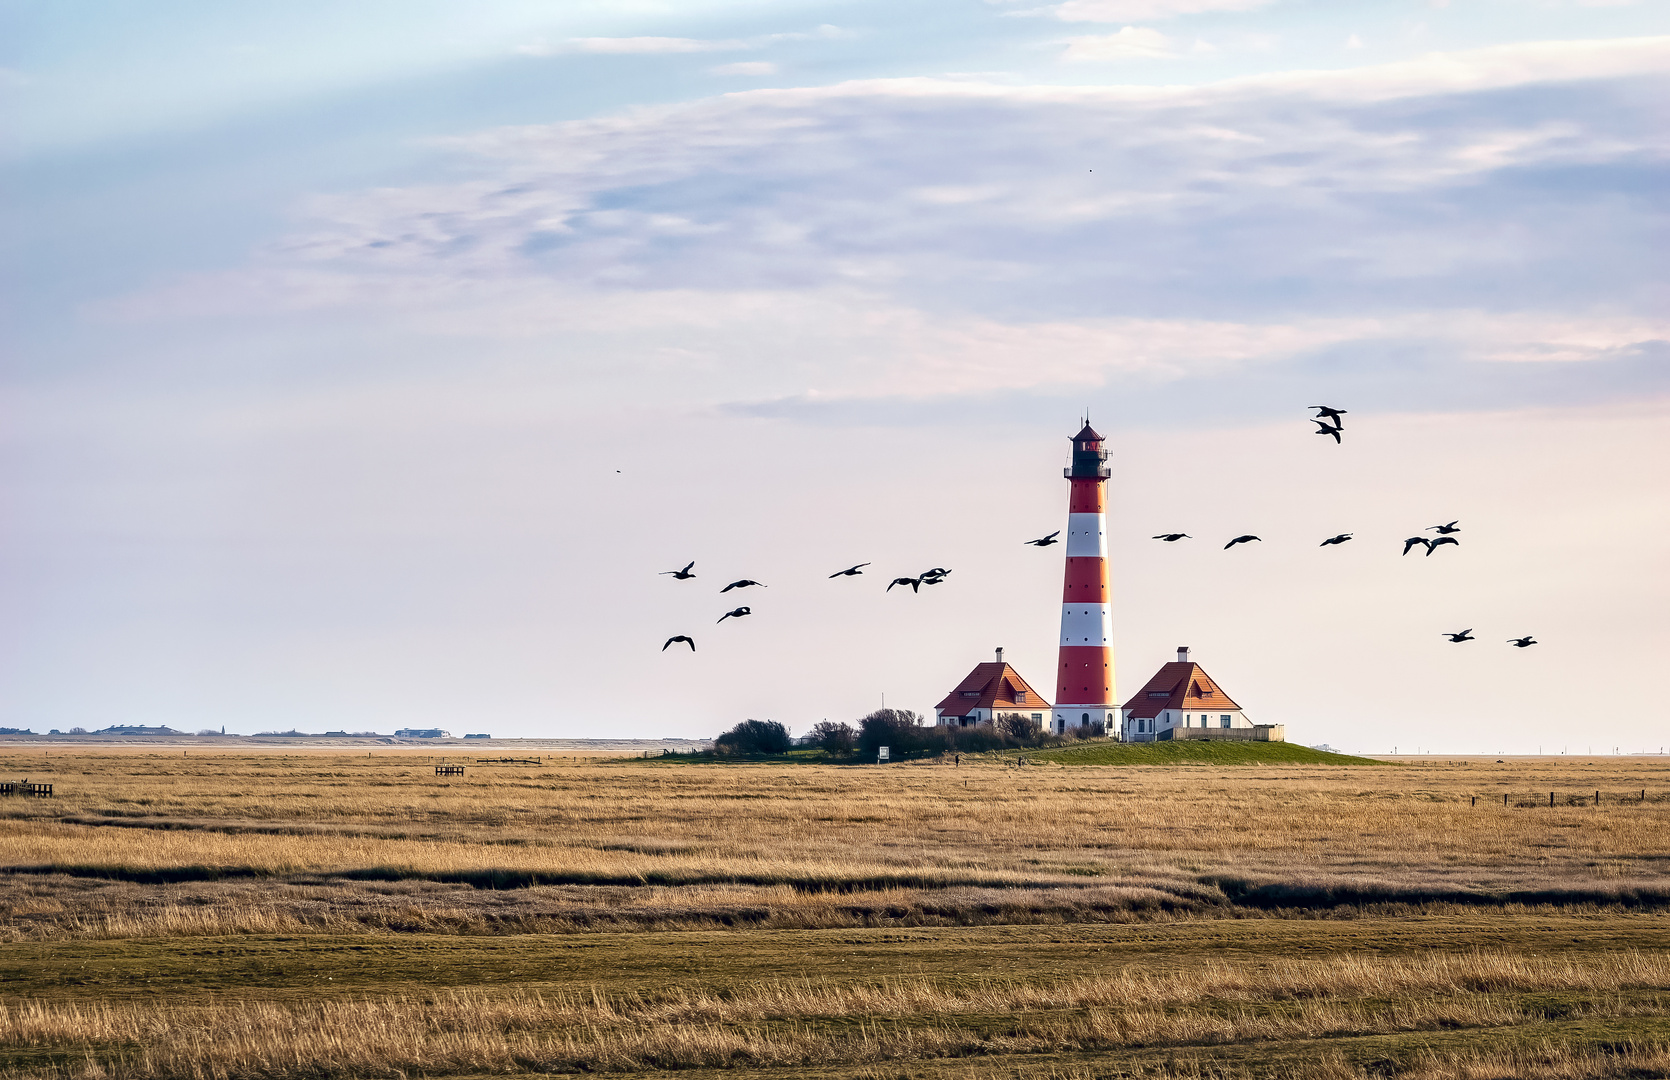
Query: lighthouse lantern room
[1084, 688]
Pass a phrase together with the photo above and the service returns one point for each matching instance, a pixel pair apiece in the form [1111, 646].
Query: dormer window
[970, 693]
[1158, 695]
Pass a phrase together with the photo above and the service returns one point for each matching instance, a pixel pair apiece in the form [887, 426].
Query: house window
[1085, 719]
[1224, 720]
[1037, 718]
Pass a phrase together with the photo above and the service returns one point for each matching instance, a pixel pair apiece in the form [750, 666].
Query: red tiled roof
[998, 686]
[1185, 686]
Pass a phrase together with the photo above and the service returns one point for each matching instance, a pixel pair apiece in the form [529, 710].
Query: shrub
[972, 740]
[1018, 727]
[900, 730]
[835, 737]
[754, 737]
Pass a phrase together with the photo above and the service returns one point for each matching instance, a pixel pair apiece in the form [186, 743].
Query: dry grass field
[327, 914]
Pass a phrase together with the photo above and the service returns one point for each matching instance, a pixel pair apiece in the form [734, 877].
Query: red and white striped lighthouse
[1084, 693]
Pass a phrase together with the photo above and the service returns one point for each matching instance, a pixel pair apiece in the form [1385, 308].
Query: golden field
[339, 914]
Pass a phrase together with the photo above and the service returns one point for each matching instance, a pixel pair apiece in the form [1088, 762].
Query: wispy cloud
[1117, 11]
[746, 67]
[672, 45]
[624, 45]
[1133, 42]
[1069, 235]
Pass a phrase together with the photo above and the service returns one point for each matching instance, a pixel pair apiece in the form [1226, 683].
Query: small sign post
[881, 755]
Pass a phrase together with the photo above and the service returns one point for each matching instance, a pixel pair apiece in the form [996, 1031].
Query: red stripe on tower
[1084, 694]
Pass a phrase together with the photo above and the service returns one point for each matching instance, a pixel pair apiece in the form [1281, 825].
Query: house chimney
[1000, 654]
[1182, 654]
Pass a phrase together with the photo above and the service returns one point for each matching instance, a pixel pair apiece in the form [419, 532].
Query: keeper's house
[990, 689]
[1182, 702]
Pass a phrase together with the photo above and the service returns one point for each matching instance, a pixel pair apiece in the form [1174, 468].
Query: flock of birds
[1431, 543]
[1329, 421]
[934, 576]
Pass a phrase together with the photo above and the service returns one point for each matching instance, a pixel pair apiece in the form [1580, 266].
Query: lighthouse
[1084, 694]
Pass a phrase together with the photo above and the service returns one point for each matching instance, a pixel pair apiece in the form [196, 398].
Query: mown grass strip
[1191, 752]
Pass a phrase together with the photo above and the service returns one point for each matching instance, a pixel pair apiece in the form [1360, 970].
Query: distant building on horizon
[422, 733]
[1181, 701]
[991, 688]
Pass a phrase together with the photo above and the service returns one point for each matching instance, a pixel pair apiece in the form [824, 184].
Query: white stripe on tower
[1087, 536]
[1086, 624]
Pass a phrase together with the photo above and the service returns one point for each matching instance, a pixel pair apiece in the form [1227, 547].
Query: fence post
[1551, 800]
[1475, 800]
[1504, 800]
[1597, 798]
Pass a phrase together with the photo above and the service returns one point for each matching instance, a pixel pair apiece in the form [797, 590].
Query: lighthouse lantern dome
[1089, 458]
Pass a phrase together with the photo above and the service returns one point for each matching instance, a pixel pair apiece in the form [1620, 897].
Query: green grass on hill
[1098, 752]
[1191, 751]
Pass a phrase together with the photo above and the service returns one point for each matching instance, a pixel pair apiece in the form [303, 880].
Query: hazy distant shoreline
[350, 742]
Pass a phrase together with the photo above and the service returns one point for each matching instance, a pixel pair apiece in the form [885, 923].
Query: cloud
[625, 45]
[1133, 42]
[671, 45]
[746, 67]
[1116, 11]
[1489, 208]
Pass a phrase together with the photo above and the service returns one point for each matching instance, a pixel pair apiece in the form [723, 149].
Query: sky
[364, 364]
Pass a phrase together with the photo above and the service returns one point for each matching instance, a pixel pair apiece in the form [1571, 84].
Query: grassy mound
[1193, 751]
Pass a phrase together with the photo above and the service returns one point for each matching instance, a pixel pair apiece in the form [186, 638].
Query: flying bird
[1421, 540]
[1465, 635]
[1443, 530]
[1340, 539]
[1046, 541]
[938, 573]
[914, 583]
[680, 575]
[1439, 541]
[1172, 538]
[680, 637]
[1241, 540]
[1325, 428]
[1523, 642]
[851, 571]
[735, 613]
[1330, 413]
[743, 583]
